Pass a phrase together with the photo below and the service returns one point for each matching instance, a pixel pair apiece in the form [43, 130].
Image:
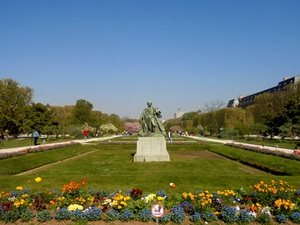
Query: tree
[82, 112]
[212, 106]
[13, 101]
[132, 126]
[63, 115]
[41, 118]
[259, 129]
[117, 122]
[278, 110]
[108, 128]
[96, 119]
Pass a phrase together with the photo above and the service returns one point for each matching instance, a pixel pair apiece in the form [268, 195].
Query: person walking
[170, 137]
[85, 134]
[35, 136]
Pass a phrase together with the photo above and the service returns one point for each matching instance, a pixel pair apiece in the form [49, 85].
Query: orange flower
[83, 182]
[172, 185]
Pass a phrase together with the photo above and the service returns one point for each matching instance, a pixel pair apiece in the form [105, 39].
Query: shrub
[165, 218]
[229, 215]
[246, 217]
[145, 216]
[281, 218]
[27, 216]
[10, 216]
[44, 216]
[93, 213]
[209, 216]
[295, 217]
[178, 214]
[112, 215]
[126, 216]
[195, 217]
[78, 215]
[62, 214]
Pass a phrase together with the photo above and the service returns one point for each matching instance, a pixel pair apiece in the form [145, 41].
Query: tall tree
[117, 122]
[40, 117]
[63, 114]
[82, 112]
[13, 101]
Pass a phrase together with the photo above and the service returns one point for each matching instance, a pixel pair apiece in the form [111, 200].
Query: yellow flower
[74, 207]
[123, 203]
[184, 194]
[38, 179]
[17, 204]
[25, 196]
[149, 198]
[19, 188]
[160, 198]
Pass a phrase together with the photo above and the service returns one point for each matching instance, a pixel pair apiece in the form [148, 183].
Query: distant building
[244, 101]
[178, 114]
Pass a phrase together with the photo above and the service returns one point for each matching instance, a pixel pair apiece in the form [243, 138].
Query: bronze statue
[150, 123]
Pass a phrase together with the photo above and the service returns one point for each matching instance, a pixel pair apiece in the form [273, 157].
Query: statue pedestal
[151, 149]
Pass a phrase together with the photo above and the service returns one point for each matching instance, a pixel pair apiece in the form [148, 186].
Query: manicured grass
[19, 164]
[111, 167]
[271, 163]
[281, 143]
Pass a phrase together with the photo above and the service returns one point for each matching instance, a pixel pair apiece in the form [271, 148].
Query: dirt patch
[252, 170]
[200, 154]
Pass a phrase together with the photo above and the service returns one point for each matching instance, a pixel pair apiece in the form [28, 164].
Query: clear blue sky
[118, 54]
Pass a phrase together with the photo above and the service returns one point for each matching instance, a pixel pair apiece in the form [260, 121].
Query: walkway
[275, 148]
[11, 150]
[22, 148]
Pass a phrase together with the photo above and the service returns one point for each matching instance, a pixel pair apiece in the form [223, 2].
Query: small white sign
[157, 210]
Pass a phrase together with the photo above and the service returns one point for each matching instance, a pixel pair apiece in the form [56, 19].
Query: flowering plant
[228, 206]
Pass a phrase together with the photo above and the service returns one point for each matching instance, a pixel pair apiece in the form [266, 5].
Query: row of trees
[276, 113]
[19, 114]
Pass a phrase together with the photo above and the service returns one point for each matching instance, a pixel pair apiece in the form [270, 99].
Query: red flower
[83, 182]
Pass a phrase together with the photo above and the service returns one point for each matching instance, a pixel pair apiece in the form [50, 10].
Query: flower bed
[260, 203]
[264, 150]
[37, 149]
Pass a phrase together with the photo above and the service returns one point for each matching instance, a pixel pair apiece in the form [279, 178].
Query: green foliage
[44, 216]
[27, 216]
[14, 100]
[259, 129]
[41, 118]
[108, 128]
[82, 112]
[189, 116]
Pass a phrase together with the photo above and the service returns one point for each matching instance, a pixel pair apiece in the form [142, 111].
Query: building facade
[244, 101]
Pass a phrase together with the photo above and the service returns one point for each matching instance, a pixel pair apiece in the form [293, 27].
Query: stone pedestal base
[151, 149]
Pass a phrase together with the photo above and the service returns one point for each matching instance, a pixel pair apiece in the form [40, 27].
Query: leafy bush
[44, 216]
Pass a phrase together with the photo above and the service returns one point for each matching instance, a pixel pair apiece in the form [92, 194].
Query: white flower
[253, 214]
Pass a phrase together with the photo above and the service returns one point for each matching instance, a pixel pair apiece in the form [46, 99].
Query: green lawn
[110, 167]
